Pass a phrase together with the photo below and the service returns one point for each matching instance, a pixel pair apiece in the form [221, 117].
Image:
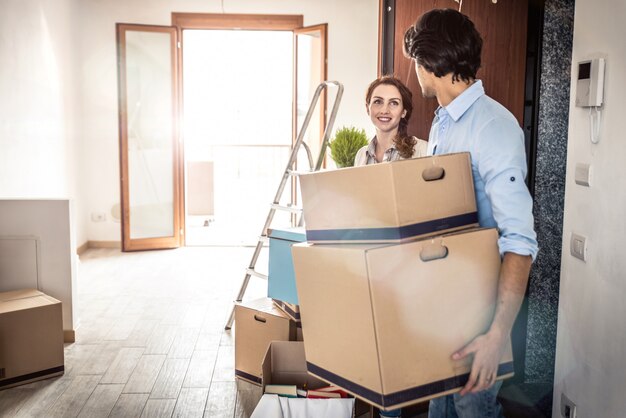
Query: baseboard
[69, 336]
[82, 248]
[98, 244]
[104, 244]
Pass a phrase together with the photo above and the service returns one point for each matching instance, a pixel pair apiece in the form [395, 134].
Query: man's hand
[487, 350]
[489, 347]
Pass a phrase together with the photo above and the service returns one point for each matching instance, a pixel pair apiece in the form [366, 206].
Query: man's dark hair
[445, 41]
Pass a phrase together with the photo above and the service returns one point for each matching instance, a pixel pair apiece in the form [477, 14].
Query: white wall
[352, 60]
[50, 222]
[591, 338]
[38, 125]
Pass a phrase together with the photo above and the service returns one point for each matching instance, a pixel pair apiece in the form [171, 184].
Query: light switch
[578, 246]
[582, 175]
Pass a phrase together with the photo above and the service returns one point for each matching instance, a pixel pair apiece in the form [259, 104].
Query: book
[289, 391]
[316, 394]
[333, 389]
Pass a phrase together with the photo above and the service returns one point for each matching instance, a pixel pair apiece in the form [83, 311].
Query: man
[446, 48]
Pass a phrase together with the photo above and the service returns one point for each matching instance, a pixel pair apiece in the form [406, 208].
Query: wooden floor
[151, 339]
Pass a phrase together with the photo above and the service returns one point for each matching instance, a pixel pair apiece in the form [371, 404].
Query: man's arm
[488, 348]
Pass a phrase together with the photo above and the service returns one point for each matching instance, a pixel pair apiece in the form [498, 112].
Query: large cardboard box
[382, 320]
[257, 323]
[389, 202]
[281, 284]
[31, 337]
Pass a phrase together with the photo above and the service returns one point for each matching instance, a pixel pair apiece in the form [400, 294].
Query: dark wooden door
[503, 27]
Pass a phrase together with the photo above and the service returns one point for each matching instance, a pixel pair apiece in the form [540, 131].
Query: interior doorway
[237, 129]
[221, 133]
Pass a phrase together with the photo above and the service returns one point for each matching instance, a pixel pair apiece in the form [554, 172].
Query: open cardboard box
[285, 364]
[389, 202]
[31, 337]
[382, 320]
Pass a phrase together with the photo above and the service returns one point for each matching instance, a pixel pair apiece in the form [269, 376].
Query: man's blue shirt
[475, 123]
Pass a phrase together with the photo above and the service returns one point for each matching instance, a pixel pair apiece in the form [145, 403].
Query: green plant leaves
[347, 141]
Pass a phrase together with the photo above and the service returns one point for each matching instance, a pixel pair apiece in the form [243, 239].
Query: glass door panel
[148, 131]
[310, 71]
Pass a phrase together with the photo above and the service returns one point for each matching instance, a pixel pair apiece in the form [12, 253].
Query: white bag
[274, 406]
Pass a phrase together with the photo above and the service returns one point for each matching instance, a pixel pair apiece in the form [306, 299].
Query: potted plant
[345, 144]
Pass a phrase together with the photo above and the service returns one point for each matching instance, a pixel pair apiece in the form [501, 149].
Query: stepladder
[289, 173]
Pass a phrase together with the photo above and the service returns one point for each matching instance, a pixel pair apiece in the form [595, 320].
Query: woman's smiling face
[385, 108]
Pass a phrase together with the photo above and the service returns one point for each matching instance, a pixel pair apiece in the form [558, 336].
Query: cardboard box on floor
[257, 323]
[382, 320]
[389, 202]
[31, 337]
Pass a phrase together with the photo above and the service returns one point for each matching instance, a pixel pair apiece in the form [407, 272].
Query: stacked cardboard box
[383, 308]
[391, 202]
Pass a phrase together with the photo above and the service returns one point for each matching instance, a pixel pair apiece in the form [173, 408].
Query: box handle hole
[433, 252]
[260, 318]
[433, 173]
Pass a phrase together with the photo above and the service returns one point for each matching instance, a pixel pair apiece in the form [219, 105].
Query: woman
[389, 104]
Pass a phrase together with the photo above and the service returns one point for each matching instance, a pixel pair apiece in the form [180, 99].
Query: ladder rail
[289, 172]
[329, 125]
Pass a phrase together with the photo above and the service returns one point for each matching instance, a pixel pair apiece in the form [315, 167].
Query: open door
[149, 147]
[310, 69]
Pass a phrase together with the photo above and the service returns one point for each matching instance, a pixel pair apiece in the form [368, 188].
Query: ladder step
[253, 272]
[287, 208]
[297, 173]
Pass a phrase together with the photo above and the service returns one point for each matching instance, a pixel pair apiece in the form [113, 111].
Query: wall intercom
[590, 83]
[590, 93]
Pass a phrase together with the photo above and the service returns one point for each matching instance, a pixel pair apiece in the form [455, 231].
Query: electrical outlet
[98, 217]
[568, 408]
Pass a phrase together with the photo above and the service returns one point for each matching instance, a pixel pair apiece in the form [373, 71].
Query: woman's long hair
[403, 142]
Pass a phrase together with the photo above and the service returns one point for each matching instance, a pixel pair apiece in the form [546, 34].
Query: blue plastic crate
[281, 278]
